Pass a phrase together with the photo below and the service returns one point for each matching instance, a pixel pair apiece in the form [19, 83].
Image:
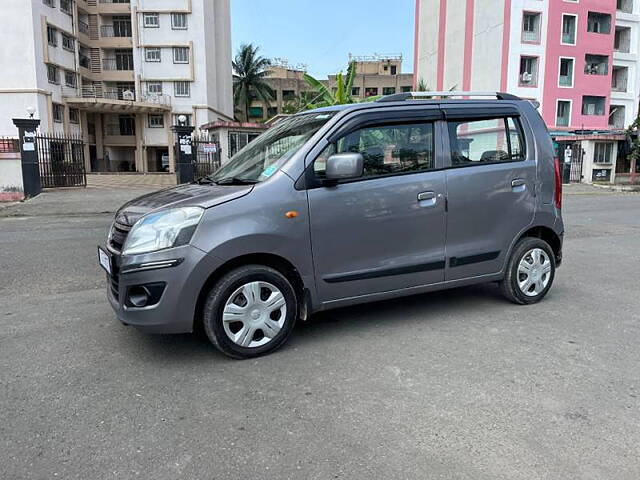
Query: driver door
[385, 230]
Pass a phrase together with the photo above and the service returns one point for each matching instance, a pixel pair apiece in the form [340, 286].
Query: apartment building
[289, 91]
[577, 58]
[377, 75]
[118, 73]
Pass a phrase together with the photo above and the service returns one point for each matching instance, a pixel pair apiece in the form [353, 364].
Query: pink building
[577, 58]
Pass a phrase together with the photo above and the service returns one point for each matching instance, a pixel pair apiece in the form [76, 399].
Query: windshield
[266, 154]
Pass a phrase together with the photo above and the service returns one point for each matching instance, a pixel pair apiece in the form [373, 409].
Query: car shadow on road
[401, 313]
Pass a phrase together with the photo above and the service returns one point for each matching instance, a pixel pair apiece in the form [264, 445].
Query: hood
[187, 195]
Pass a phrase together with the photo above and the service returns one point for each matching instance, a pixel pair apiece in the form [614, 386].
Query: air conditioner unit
[526, 77]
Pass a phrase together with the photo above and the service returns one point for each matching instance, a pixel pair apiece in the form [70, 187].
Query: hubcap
[254, 314]
[534, 272]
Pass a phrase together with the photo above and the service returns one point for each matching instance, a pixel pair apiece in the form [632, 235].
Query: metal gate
[61, 161]
[576, 162]
[206, 155]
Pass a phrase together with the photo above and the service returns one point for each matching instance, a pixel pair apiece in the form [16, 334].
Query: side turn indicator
[291, 214]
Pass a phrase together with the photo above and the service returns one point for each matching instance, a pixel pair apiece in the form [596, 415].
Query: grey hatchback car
[344, 205]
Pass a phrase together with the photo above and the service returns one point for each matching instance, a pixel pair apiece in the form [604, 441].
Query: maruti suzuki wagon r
[344, 205]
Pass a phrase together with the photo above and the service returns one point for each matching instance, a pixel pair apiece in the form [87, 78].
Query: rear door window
[485, 141]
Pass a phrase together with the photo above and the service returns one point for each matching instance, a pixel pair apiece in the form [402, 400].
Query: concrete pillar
[170, 144]
[84, 128]
[139, 155]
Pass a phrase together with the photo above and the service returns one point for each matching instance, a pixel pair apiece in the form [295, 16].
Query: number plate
[105, 260]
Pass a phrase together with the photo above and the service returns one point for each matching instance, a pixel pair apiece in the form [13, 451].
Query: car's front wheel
[530, 271]
[250, 311]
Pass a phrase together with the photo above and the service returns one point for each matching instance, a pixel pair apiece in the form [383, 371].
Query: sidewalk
[587, 189]
[74, 202]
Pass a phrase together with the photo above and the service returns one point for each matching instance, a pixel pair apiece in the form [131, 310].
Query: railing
[115, 1]
[124, 64]
[533, 37]
[619, 86]
[117, 30]
[568, 38]
[98, 91]
[9, 145]
[83, 27]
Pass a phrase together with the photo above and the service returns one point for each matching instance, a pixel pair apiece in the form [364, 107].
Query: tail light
[558, 194]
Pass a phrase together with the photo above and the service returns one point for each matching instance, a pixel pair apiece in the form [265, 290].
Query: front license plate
[105, 260]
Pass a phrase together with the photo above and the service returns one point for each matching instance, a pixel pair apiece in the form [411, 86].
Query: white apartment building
[117, 72]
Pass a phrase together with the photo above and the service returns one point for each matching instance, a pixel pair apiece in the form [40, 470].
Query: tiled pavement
[131, 180]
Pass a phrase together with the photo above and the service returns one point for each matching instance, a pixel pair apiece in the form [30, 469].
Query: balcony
[99, 98]
[596, 65]
[619, 78]
[622, 41]
[114, 6]
[83, 27]
[625, 6]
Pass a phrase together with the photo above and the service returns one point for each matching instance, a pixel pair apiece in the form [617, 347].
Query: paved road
[458, 384]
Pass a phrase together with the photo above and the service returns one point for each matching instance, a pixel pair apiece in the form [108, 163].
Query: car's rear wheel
[530, 271]
[250, 311]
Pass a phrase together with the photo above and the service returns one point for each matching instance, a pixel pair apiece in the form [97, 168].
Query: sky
[322, 33]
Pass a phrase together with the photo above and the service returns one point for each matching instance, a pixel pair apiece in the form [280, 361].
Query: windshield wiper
[204, 181]
[235, 181]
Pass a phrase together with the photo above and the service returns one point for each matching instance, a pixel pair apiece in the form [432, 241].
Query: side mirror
[341, 166]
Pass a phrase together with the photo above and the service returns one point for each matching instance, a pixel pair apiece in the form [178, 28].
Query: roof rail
[399, 97]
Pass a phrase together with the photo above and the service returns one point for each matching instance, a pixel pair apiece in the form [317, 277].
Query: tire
[250, 311]
[524, 288]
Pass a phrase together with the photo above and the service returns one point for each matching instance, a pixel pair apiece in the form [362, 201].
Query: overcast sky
[322, 33]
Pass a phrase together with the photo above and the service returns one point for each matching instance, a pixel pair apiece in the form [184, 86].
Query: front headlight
[164, 229]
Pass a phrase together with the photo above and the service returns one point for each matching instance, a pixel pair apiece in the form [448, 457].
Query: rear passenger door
[491, 181]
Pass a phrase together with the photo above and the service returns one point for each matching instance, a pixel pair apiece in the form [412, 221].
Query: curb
[618, 188]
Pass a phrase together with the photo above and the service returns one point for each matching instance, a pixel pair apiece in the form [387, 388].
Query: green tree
[325, 97]
[250, 69]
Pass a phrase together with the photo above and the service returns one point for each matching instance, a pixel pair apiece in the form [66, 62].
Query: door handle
[426, 196]
[516, 183]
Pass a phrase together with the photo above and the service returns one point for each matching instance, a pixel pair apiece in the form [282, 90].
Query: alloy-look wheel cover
[254, 314]
[534, 272]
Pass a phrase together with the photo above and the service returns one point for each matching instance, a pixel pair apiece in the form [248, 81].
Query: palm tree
[250, 70]
[325, 97]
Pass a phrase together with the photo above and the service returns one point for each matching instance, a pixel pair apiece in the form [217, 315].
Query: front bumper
[183, 280]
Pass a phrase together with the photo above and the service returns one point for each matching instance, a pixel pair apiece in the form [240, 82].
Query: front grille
[119, 234]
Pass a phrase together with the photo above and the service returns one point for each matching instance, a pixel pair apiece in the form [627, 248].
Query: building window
[152, 54]
[599, 23]
[67, 42]
[388, 90]
[288, 95]
[406, 88]
[593, 105]
[52, 36]
[596, 64]
[355, 91]
[180, 54]
[156, 121]
[569, 24]
[256, 112]
[566, 72]
[603, 152]
[181, 89]
[49, 3]
[617, 116]
[272, 112]
[179, 21]
[70, 79]
[563, 113]
[74, 115]
[154, 88]
[151, 20]
[394, 70]
[238, 140]
[371, 91]
[622, 40]
[187, 115]
[625, 6]
[58, 113]
[531, 27]
[528, 71]
[479, 142]
[66, 7]
[52, 74]
[619, 76]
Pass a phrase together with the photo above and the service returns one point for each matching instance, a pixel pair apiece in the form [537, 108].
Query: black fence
[205, 155]
[61, 161]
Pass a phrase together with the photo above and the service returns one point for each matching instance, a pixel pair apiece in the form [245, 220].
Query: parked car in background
[340, 206]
